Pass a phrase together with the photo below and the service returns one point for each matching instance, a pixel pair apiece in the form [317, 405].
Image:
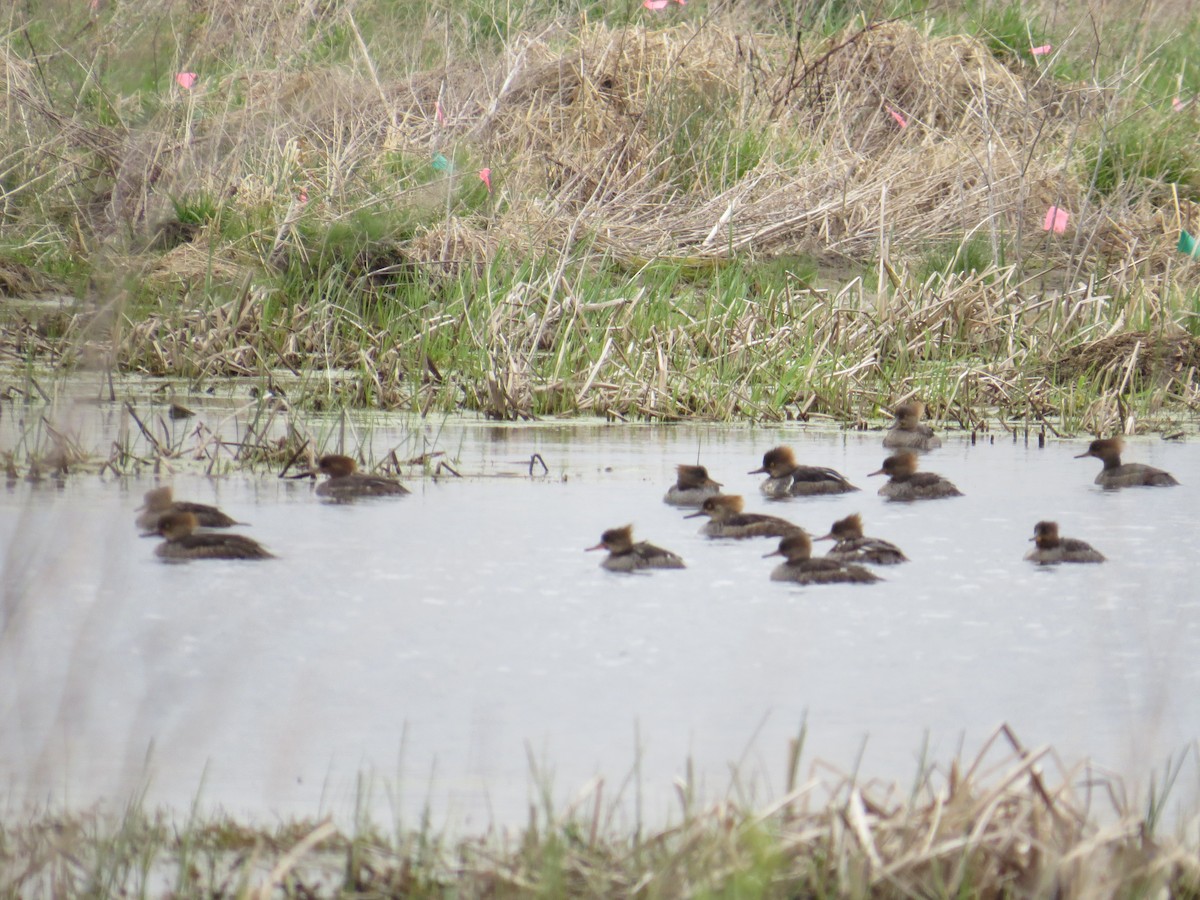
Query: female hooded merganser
[851, 546]
[1116, 475]
[908, 432]
[786, 479]
[799, 566]
[1053, 549]
[182, 543]
[626, 556]
[906, 483]
[726, 519]
[346, 483]
[159, 502]
[692, 487]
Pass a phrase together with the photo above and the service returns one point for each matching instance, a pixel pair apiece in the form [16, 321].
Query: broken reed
[1012, 822]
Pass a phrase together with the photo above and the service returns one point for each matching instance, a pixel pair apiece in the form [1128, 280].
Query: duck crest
[626, 556]
[692, 486]
[906, 483]
[787, 479]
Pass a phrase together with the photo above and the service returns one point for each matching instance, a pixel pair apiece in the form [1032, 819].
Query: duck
[160, 501]
[626, 556]
[851, 546]
[1053, 549]
[800, 567]
[345, 482]
[906, 483]
[692, 486]
[908, 432]
[1116, 474]
[182, 541]
[787, 479]
[726, 519]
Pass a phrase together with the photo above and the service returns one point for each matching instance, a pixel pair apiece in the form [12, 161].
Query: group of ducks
[187, 528]
[178, 521]
[844, 561]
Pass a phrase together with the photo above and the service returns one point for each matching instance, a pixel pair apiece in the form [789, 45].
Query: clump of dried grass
[193, 265]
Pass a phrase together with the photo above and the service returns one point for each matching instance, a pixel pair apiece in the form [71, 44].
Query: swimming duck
[786, 479]
[1052, 549]
[906, 483]
[799, 566]
[183, 543]
[159, 502]
[345, 482]
[1118, 475]
[692, 486]
[851, 546]
[626, 556]
[726, 519]
[908, 432]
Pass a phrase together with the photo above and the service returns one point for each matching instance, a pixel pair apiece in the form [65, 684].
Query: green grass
[1150, 153]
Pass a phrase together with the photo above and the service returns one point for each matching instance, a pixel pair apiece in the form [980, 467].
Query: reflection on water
[441, 641]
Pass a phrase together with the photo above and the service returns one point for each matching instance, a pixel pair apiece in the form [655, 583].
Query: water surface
[447, 643]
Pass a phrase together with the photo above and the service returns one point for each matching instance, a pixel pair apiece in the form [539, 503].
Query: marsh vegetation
[801, 211]
[755, 212]
[1010, 822]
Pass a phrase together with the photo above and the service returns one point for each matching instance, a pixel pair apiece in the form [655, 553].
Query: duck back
[212, 546]
[866, 550]
[822, 571]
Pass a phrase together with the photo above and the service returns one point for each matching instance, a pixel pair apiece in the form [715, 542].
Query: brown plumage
[1118, 475]
[692, 486]
[1052, 549]
[906, 483]
[626, 556]
[160, 501]
[787, 479]
[345, 482]
[800, 567]
[183, 543]
[852, 546]
[726, 519]
[908, 432]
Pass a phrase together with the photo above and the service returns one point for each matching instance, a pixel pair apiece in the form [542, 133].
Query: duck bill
[828, 537]
[772, 553]
[761, 470]
[876, 472]
[1084, 455]
[590, 549]
[695, 515]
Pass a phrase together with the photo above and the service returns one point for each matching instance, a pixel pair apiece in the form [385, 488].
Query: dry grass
[1013, 822]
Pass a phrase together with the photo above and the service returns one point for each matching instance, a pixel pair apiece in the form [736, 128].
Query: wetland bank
[689, 216]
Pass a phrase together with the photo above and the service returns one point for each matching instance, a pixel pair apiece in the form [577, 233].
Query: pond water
[459, 649]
